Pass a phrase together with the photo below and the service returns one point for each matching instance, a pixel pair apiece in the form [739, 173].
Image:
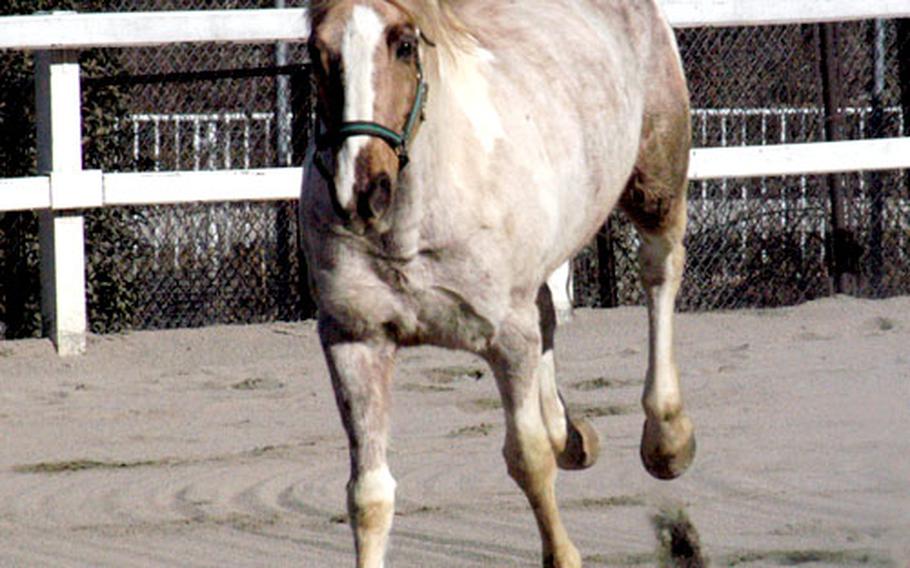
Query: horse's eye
[406, 50]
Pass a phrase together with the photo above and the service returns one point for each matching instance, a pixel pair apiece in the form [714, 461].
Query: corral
[220, 446]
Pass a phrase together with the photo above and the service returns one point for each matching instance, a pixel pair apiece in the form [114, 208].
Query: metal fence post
[606, 266]
[62, 242]
[841, 238]
[283, 212]
[876, 187]
[282, 102]
[903, 71]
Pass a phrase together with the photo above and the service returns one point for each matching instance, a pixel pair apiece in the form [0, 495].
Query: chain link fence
[214, 107]
[775, 241]
[181, 107]
[756, 242]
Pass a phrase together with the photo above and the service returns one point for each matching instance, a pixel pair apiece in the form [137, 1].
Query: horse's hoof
[668, 446]
[568, 557]
[582, 445]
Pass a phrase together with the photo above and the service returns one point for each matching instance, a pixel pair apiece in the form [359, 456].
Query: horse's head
[366, 57]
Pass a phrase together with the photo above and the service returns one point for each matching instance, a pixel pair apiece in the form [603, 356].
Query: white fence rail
[72, 31]
[717, 13]
[796, 159]
[65, 188]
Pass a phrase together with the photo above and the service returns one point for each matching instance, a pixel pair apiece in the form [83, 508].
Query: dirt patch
[640, 559]
[84, 465]
[606, 502]
[481, 405]
[417, 387]
[601, 410]
[604, 383]
[70, 466]
[800, 557]
[474, 431]
[258, 384]
[447, 375]
[884, 324]
[679, 545]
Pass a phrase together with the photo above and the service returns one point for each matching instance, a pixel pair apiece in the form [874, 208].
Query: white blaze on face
[358, 49]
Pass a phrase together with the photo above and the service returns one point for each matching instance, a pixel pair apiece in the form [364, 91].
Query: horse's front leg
[361, 376]
[530, 459]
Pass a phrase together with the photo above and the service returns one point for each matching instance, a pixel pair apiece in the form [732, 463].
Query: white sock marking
[374, 486]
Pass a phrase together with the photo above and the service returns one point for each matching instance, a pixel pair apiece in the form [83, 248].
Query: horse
[464, 150]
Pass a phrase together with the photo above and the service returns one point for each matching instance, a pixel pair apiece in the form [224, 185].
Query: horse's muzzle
[374, 197]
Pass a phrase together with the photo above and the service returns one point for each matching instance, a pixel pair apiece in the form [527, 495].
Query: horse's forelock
[435, 19]
[318, 9]
[438, 22]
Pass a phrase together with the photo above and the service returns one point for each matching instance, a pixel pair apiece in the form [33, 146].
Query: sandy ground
[222, 447]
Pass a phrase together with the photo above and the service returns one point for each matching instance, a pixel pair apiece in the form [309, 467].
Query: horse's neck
[462, 124]
[449, 152]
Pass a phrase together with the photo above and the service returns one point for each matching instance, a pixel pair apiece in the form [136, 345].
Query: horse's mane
[436, 20]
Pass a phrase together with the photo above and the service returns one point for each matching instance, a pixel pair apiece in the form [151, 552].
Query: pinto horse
[465, 149]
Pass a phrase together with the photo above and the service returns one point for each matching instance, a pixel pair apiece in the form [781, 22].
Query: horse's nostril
[382, 183]
[374, 202]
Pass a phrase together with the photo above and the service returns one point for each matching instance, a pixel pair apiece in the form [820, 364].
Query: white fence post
[59, 123]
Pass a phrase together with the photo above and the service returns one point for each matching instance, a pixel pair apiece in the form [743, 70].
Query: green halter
[397, 142]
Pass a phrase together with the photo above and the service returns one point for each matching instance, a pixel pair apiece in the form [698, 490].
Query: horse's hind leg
[361, 374]
[574, 440]
[655, 199]
[514, 357]
[668, 441]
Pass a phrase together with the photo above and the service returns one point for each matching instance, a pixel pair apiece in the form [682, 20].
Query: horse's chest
[440, 309]
[414, 303]
[448, 318]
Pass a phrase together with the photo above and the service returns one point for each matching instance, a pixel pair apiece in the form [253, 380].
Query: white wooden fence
[64, 189]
